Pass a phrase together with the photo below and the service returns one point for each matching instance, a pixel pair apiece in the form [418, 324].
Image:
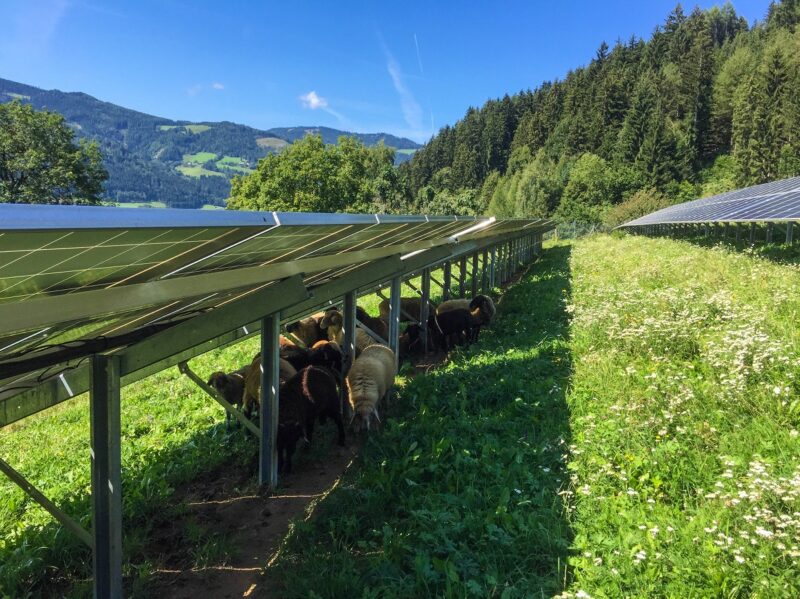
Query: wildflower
[762, 532]
[581, 594]
[739, 559]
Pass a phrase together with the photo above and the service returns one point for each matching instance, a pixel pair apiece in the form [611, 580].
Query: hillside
[179, 163]
[707, 104]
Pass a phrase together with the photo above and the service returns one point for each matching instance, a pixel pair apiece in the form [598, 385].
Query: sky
[406, 68]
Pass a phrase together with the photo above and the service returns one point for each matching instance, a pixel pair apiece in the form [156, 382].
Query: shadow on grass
[459, 494]
[777, 250]
[49, 561]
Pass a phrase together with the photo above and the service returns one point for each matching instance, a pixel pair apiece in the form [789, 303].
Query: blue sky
[406, 68]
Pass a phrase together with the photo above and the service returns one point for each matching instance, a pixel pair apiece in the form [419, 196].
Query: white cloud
[217, 85]
[412, 113]
[197, 88]
[313, 101]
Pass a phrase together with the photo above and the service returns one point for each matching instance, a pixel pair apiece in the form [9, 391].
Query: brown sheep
[310, 395]
[333, 325]
[308, 330]
[252, 383]
[376, 325]
[368, 381]
[481, 303]
[230, 386]
[409, 309]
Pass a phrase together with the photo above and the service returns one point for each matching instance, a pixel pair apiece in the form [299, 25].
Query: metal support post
[104, 409]
[738, 232]
[424, 307]
[752, 233]
[493, 268]
[462, 277]
[349, 325]
[474, 280]
[510, 260]
[789, 227]
[707, 230]
[447, 281]
[770, 227]
[485, 272]
[268, 410]
[394, 319]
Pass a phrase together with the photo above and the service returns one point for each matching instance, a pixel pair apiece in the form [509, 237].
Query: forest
[706, 105]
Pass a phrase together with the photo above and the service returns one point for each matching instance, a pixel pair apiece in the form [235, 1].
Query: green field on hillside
[199, 158]
[189, 128]
[197, 171]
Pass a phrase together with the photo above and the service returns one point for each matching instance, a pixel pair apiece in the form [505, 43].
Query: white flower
[581, 594]
[762, 532]
[739, 559]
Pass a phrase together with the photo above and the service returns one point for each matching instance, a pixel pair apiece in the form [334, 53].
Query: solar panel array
[51, 255]
[769, 202]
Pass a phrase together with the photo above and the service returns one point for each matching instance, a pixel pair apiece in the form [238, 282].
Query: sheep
[363, 341]
[481, 303]
[230, 386]
[460, 324]
[410, 309]
[333, 325]
[310, 395]
[252, 383]
[376, 325]
[369, 379]
[326, 354]
[308, 330]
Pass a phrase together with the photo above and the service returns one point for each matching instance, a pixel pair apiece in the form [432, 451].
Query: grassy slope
[686, 457]
[459, 494]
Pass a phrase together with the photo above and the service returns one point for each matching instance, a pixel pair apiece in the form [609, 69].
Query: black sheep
[230, 386]
[461, 325]
[308, 396]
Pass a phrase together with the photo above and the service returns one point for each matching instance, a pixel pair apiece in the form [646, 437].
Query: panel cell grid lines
[768, 202]
[70, 274]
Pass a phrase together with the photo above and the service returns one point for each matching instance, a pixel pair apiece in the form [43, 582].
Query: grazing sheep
[368, 381]
[310, 395]
[481, 303]
[326, 354]
[461, 325]
[252, 383]
[230, 386]
[409, 309]
[333, 325]
[376, 325]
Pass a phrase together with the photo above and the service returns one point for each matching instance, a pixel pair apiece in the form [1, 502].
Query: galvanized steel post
[349, 325]
[789, 227]
[104, 409]
[770, 227]
[268, 407]
[394, 319]
[474, 274]
[447, 281]
[752, 233]
[462, 276]
[485, 272]
[424, 307]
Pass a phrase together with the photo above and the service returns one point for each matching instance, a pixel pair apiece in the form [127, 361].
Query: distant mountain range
[157, 161]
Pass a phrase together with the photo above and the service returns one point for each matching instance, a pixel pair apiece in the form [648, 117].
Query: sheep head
[364, 418]
[218, 380]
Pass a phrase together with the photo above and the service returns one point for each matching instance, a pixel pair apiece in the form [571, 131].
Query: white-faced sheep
[368, 381]
[310, 395]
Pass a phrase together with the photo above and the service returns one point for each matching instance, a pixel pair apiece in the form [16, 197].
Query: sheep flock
[311, 370]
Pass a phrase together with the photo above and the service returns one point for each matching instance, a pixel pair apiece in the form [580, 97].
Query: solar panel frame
[777, 201]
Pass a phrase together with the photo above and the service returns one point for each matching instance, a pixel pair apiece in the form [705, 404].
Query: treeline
[706, 105]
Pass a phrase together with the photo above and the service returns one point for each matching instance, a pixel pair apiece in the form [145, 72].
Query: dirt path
[226, 505]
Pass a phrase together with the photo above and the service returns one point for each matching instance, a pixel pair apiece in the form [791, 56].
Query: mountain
[178, 163]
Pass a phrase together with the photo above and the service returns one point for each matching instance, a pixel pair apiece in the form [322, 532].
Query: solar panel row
[776, 201]
[68, 252]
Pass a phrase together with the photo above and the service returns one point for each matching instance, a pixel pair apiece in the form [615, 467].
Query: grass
[199, 158]
[234, 163]
[685, 463]
[171, 434]
[458, 495]
[140, 204]
[407, 152]
[197, 171]
[188, 128]
[273, 143]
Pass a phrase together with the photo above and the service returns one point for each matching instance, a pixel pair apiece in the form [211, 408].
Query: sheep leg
[337, 418]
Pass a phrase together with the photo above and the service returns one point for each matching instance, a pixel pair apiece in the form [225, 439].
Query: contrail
[419, 60]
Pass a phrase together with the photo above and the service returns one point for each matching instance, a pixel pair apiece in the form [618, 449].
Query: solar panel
[775, 201]
[55, 257]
